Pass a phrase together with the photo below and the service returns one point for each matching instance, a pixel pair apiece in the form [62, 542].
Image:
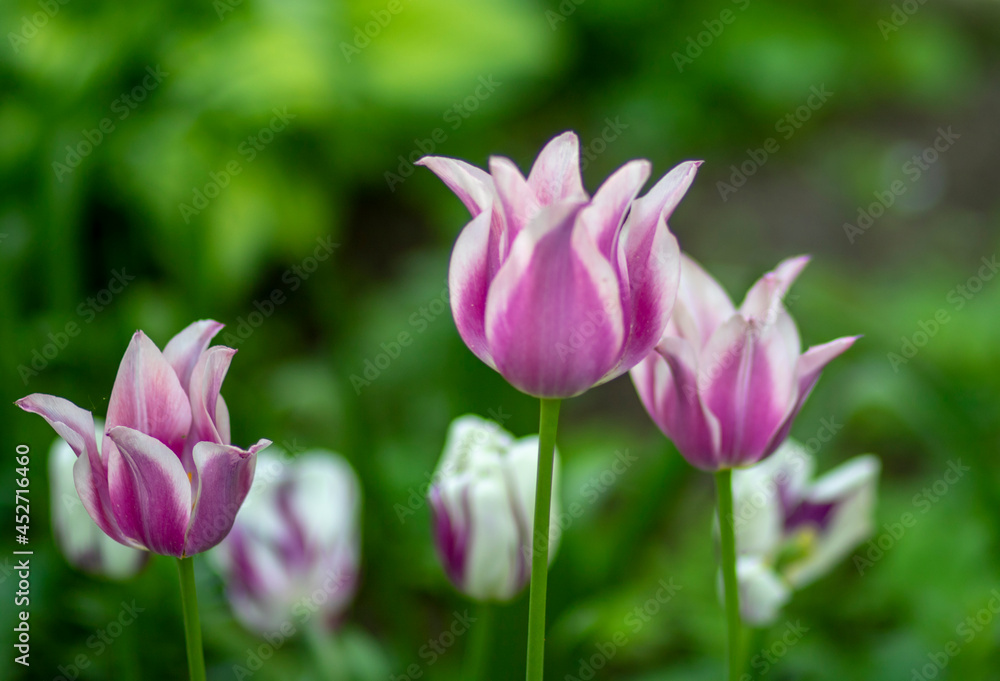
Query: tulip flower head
[295, 543]
[725, 384]
[556, 290]
[82, 542]
[791, 529]
[482, 502]
[165, 478]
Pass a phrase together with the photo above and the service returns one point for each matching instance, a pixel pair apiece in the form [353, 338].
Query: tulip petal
[702, 304]
[468, 283]
[553, 313]
[473, 186]
[184, 349]
[555, 175]
[766, 295]
[662, 199]
[148, 397]
[150, 492]
[225, 474]
[76, 427]
[451, 532]
[517, 201]
[762, 591]
[748, 383]
[667, 383]
[605, 215]
[206, 383]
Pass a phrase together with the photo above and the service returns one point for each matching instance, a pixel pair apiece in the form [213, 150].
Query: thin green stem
[724, 490]
[192, 625]
[477, 654]
[547, 425]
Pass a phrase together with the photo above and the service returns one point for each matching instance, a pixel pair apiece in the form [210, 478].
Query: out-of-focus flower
[82, 542]
[295, 547]
[791, 529]
[554, 289]
[725, 384]
[483, 502]
[165, 478]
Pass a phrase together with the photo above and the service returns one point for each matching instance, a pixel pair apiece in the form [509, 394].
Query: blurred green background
[239, 135]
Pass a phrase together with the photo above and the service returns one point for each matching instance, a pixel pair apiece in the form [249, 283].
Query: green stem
[477, 654]
[192, 625]
[547, 425]
[324, 647]
[724, 490]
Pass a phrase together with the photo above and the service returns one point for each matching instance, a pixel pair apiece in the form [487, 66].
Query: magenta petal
[184, 349]
[468, 284]
[148, 397]
[150, 492]
[553, 313]
[225, 474]
[472, 186]
[76, 426]
[766, 295]
[206, 383]
[662, 199]
[517, 201]
[606, 213]
[702, 304]
[555, 175]
[748, 381]
[667, 383]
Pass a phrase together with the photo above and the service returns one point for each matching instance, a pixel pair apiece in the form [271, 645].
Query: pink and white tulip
[556, 290]
[166, 478]
[725, 384]
[295, 547]
[792, 529]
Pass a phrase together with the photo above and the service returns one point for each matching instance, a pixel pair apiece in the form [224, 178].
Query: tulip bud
[294, 549]
[791, 529]
[483, 503]
[82, 542]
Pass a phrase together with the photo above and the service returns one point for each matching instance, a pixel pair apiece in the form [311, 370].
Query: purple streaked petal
[553, 313]
[766, 295]
[471, 185]
[517, 201]
[206, 383]
[451, 535]
[468, 284]
[184, 349]
[148, 397]
[667, 383]
[555, 175]
[662, 199]
[76, 427]
[225, 474]
[702, 304]
[150, 492]
[605, 215]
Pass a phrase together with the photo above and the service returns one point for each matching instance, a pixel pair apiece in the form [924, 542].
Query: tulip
[81, 541]
[791, 529]
[554, 289]
[725, 384]
[165, 478]
[482, 500]
[295, 545]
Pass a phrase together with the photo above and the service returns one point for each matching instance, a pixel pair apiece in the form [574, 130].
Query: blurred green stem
[547, 425]
[192, 625]
[724, 490]
[325, 652]
[477, 654]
